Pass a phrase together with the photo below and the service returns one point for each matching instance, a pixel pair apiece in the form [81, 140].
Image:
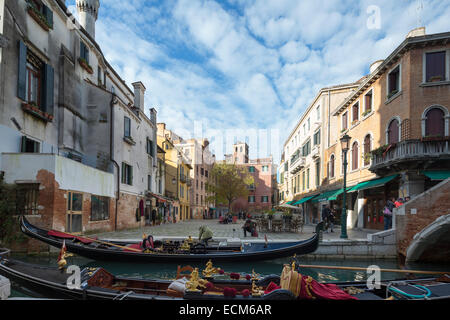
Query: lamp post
[345, 141]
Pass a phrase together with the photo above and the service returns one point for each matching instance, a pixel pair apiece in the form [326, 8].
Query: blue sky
[247, 69]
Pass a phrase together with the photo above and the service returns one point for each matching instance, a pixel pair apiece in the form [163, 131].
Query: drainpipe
[111, 154]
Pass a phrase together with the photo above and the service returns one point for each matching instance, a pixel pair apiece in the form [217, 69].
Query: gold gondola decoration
[195, 282]
[210, 270]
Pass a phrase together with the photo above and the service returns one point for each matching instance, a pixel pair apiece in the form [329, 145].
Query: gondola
[170, 252]
[99, 284]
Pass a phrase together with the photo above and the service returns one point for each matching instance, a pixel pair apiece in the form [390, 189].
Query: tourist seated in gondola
[249, 226]
[205, 234]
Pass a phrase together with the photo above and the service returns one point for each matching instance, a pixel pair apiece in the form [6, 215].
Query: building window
[27, 199]
[435, 123]
[202, 171]
[99, 208]
[318, 113]
[149, 182]
[317, 173]
[84, 52]
[331, 166]
[251, 169]
[393, 82]
[264, 199]
[344, 121]
[355, 112]
[127, 174]
[127, 127]
[393, 133]
[306, 149]
[29, 146]
[355, 153]
[367, 149]
[206, 173]
[265, 168]
[368, 100]
[303, 181]
[309, 124]
[150, 148]
[317, 138]
[435, 66]
[307, 178]
[251, 199]
[33, 88]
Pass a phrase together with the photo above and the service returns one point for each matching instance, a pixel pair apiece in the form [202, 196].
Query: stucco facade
[60, 96]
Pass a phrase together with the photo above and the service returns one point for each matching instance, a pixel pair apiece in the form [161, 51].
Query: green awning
[290, 202]
[303, 200]
[326, 195]
[437, 175]
[373, 183]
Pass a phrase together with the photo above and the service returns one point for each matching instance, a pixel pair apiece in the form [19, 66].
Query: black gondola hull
[298, 248]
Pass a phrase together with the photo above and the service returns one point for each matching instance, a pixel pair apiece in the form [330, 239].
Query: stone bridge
[423, 226]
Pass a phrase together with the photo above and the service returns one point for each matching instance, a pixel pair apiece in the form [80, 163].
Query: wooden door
[373, 213]
[74, 217]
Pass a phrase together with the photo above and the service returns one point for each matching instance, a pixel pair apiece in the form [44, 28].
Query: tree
[230, 182]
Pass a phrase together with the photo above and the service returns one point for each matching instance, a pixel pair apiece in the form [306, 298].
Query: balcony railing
[424, 149]
[183, 178]
[315, 152]
[297, 165]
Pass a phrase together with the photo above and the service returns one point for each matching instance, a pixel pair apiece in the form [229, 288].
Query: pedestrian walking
[325, 214]
[331, 219]
[387, 213]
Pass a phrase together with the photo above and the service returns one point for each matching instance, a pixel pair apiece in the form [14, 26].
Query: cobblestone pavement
[190, 228]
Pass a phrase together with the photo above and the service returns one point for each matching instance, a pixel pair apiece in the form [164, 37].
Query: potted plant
[365, 113]
[85, 65]
[392, 93]
[436, 78]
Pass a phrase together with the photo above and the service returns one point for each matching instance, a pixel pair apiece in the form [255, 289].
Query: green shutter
[48, 15]
[123, 172]
[23, 144]
[131, 175]
[22, 74]
[48, 89]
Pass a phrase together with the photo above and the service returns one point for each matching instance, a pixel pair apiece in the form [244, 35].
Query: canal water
[263, 268]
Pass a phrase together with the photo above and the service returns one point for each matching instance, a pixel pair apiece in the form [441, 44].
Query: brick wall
[429, 206]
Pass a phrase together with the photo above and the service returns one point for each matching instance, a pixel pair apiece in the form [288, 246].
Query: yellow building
[178, 166]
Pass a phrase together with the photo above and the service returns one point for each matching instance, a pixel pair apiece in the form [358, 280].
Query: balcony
[183, 178]
[315, 152]
[411, 154]
[297, 165]
[67, 173]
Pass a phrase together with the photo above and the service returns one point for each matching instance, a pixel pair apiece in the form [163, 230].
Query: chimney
[139, 92]
[153, 113]
[88, 13]
[417, 32]
[375, 65]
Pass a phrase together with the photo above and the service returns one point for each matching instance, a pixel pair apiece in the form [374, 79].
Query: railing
[297, 165]
[410, 150]
[183, 178]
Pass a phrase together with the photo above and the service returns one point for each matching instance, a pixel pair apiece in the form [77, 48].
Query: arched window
[331, 166]
[367, 149]
[435, 123]
[393, 132]
[355, 153]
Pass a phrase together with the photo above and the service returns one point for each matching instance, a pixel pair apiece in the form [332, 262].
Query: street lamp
[345, 141]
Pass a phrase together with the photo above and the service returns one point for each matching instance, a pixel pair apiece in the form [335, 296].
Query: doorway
[74, 216]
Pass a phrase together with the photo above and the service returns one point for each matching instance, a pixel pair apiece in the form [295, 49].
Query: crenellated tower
[88, 13]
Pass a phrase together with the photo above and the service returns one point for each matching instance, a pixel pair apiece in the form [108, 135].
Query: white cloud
[256, 66]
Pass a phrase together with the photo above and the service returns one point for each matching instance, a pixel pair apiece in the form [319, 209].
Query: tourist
[398, 203]
[153, 217]
[331, 220]
[407, 198]
[325, 213]
[387, 212]
[249, 226]
[205, 234]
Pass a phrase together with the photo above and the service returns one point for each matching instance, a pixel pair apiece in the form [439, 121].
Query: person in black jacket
[325, 214]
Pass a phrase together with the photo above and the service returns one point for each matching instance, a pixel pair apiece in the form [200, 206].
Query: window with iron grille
[27, 199]
[99, 208]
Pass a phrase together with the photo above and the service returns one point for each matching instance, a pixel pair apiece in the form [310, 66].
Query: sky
[246, 70]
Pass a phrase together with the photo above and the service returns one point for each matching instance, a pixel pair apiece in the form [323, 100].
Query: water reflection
[264, 268]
